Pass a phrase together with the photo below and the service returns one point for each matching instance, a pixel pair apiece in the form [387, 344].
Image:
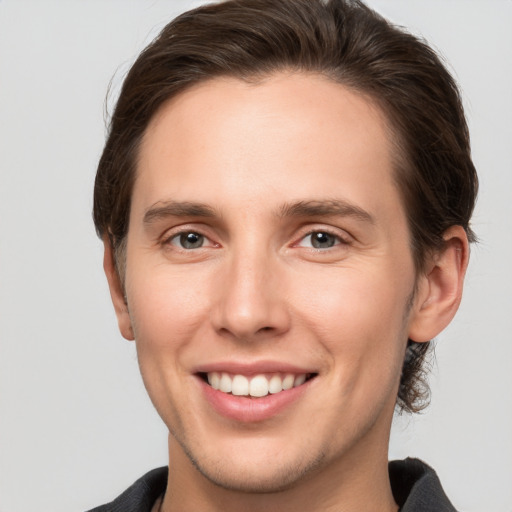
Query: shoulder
[417, 488]
[141, 495]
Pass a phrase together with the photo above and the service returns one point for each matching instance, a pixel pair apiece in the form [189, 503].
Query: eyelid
[177, 231]
[343, 237]
[165, 239]
[177, 236]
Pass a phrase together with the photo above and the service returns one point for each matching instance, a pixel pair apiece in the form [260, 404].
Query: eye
[188, 240]
[320, 240]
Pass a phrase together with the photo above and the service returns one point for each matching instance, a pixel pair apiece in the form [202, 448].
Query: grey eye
[191, 240]
[321, 240]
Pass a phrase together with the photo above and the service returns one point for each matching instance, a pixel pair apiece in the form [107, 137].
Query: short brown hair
[343, 40]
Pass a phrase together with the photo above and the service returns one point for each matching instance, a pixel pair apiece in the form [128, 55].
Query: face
[269, 278]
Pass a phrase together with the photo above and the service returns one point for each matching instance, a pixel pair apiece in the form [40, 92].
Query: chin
[272, 475]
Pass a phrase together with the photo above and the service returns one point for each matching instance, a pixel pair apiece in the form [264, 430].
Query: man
[284, 199]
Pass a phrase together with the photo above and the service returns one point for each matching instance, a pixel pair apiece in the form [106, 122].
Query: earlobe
[440, 288]
[116, 291]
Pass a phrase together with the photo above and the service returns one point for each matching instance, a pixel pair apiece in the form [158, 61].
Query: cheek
[359, 316]
[357, 299]
[167, 311]
[165, 308]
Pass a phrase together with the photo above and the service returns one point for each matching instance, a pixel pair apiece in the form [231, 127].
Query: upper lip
[252, 368]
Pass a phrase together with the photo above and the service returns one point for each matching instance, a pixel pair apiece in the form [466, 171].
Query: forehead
[293, 136]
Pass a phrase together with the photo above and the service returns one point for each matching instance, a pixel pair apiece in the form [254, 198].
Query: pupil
[191, 240]
[322, 240]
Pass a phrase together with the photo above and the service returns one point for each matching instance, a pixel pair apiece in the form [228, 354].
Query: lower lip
[249, 410]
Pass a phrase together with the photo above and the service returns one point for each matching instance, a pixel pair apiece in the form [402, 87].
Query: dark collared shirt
[415, 486]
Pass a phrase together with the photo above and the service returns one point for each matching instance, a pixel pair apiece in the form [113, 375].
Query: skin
[257, 290]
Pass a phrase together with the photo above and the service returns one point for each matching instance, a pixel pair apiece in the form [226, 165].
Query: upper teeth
[257, 386]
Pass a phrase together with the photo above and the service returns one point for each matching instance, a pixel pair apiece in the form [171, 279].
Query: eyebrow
[312, 208]
[164, 209]
[325, 208]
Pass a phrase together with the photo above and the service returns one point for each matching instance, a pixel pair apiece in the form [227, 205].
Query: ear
[439, 289]
[116, 291]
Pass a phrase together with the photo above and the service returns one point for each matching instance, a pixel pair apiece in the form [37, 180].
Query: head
[348, 44]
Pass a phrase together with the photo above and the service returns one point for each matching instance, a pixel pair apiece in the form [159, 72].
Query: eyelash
[178, 235]
[183, 233]
[339, 240]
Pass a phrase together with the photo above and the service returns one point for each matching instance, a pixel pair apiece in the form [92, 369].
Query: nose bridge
[250, 300]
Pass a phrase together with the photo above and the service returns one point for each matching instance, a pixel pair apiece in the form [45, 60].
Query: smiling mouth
[255, 386]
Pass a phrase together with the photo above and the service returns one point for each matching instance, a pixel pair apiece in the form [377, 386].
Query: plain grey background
[76, 427]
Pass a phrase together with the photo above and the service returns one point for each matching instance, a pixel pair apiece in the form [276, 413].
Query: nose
[251, 301]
